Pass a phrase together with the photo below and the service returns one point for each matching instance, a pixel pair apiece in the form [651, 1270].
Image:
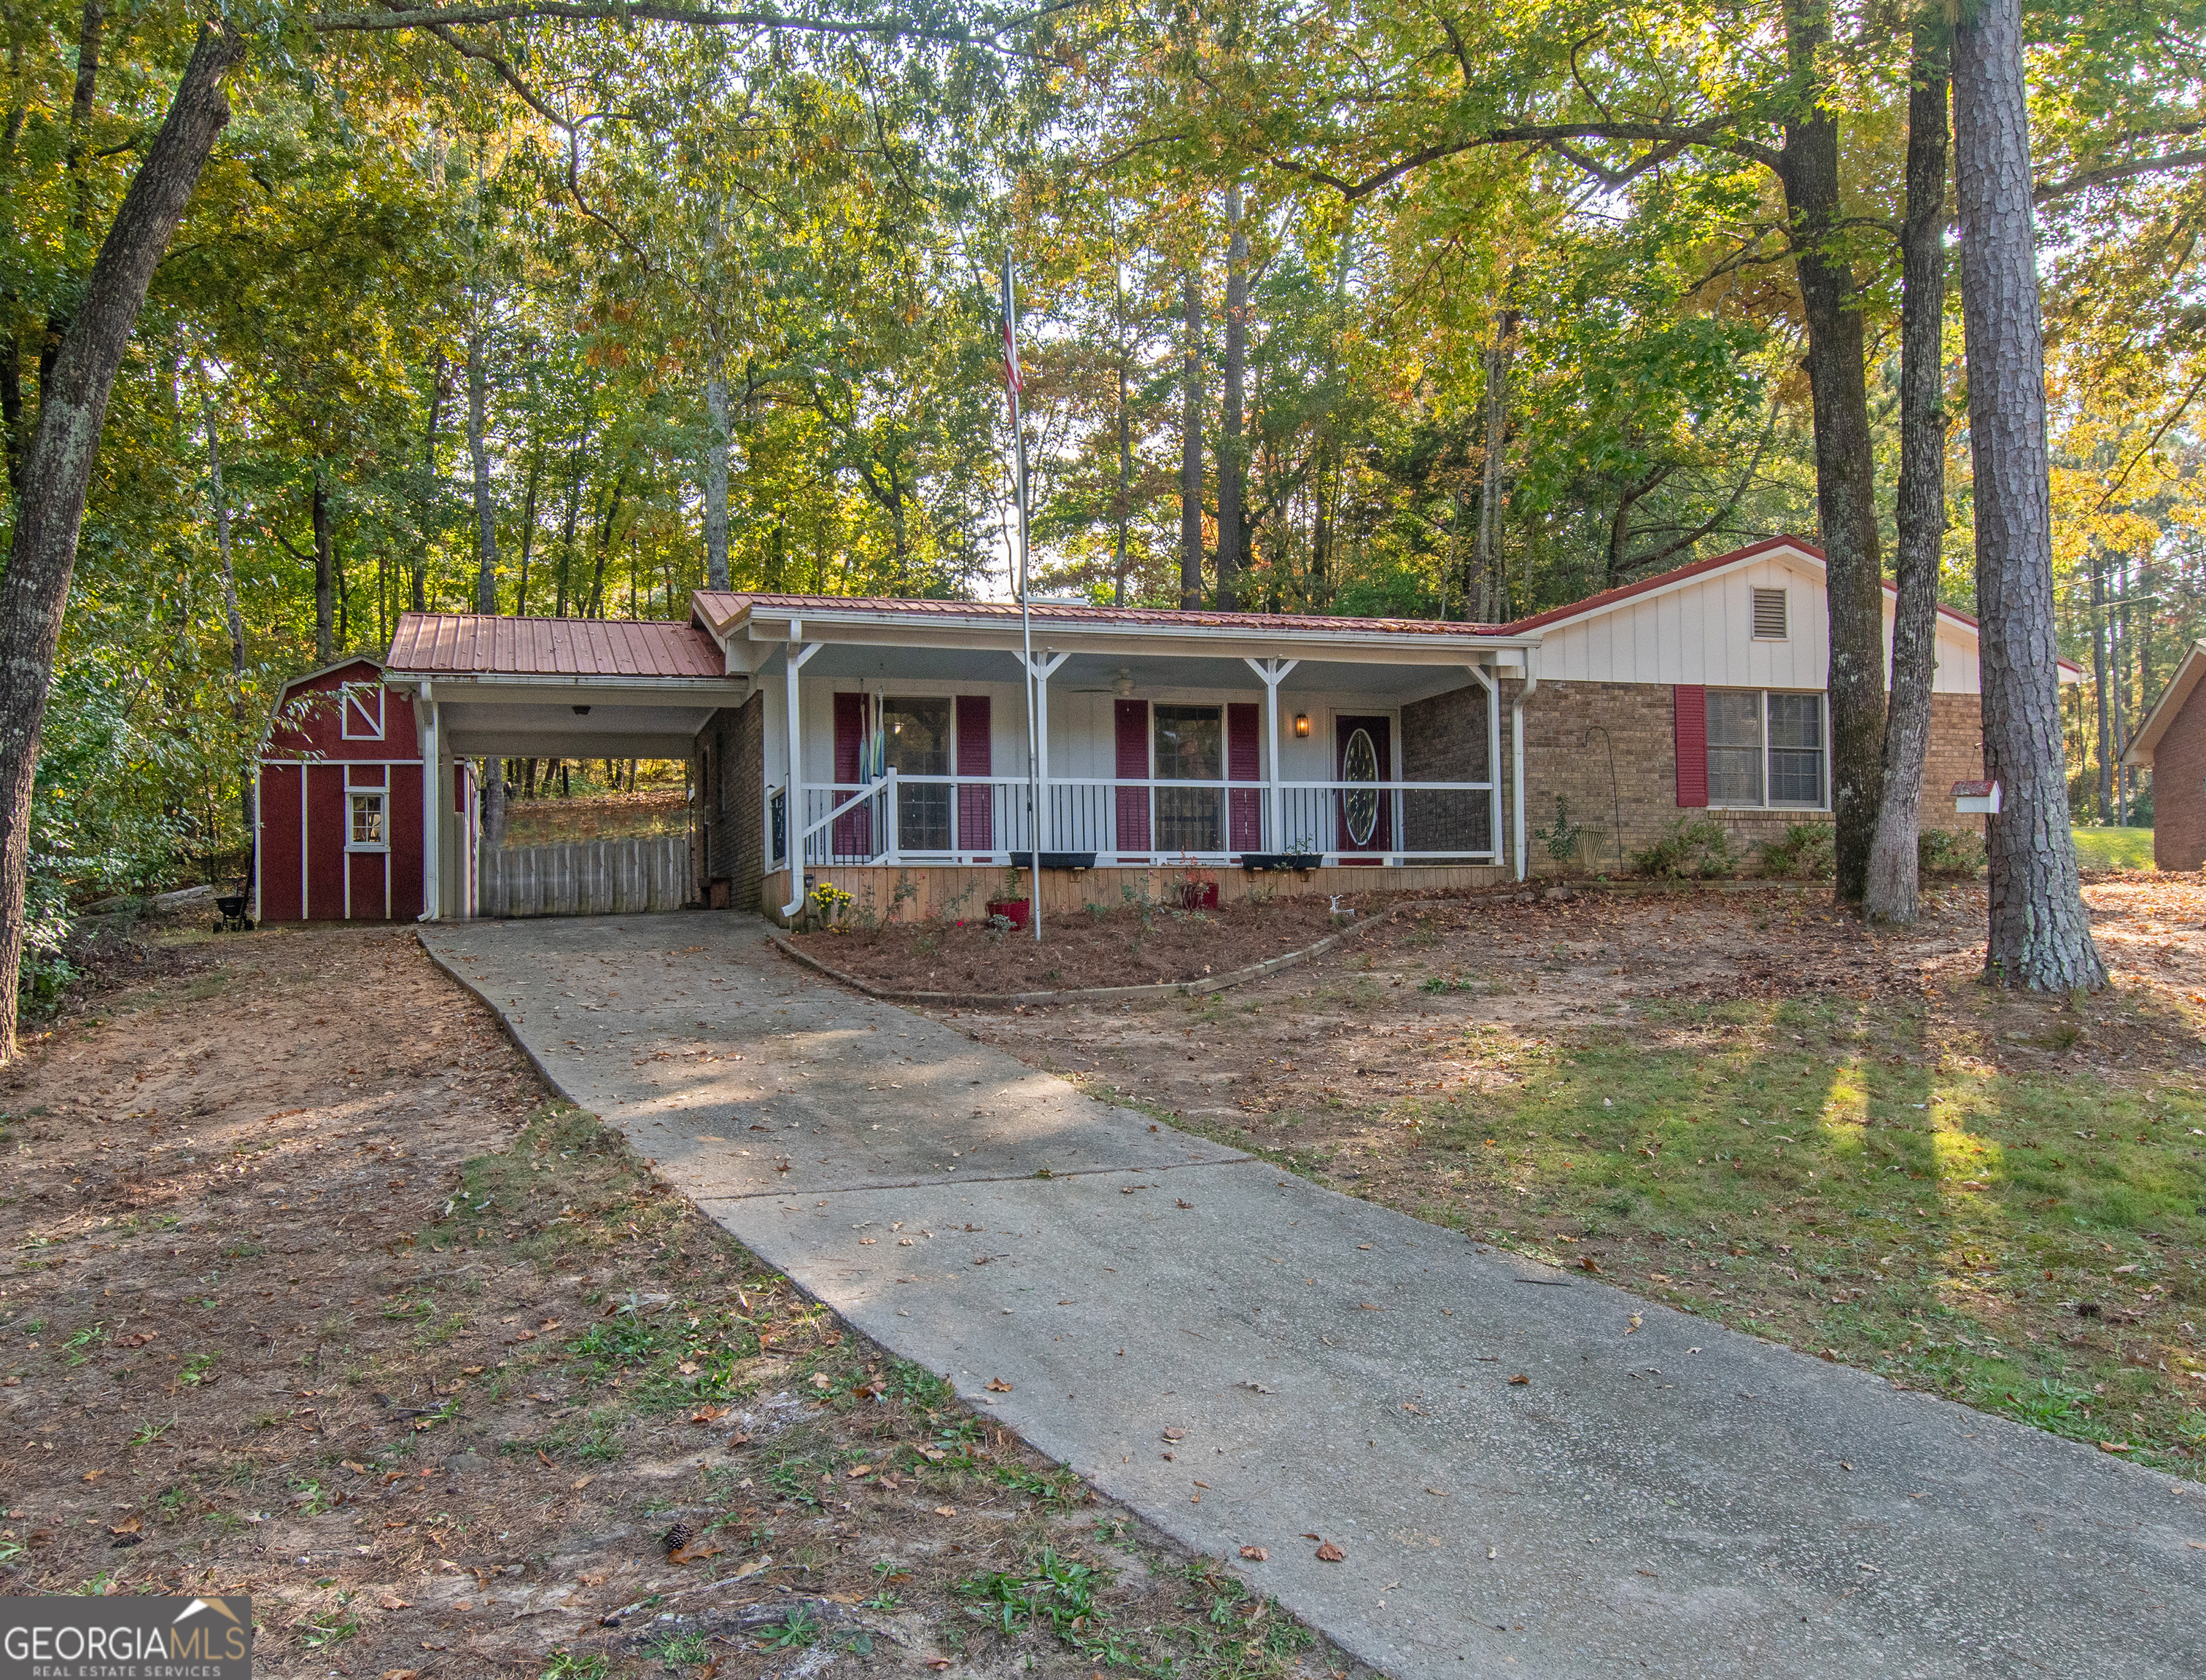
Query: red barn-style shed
[341, 799]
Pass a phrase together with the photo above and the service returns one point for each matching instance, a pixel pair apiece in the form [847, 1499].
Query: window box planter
[1013, 910]
[1258, 863]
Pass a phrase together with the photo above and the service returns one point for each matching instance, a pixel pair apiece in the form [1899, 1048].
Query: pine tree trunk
[716, 470]
[232, 619]
[2040, 934]
[1894, 882]
[1845, 459]
[2099, 686]
[1190, 446]
[1232, 467]
[58, 468]
[1121, 505]
[325, 577]
[479, 458]
[1486, 558]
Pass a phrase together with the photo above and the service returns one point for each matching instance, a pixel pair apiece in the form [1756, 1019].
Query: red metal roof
[720, 606]
[478, 644]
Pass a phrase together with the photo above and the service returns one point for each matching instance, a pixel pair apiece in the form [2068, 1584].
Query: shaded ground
[1137, 944]
[316, 1297]
[1747, 1106]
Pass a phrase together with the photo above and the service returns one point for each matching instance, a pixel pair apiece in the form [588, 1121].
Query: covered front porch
[948, 741]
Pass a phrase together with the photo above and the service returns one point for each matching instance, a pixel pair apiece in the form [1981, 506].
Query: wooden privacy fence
[586, 877]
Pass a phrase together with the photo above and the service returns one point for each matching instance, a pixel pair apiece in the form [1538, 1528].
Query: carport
[485, 687]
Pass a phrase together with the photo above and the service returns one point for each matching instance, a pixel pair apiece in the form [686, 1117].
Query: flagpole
[1034, 790]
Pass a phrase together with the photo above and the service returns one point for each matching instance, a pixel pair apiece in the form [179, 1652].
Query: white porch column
[794, 657]
[1041, 671]
[1272, 673]
[432, 811]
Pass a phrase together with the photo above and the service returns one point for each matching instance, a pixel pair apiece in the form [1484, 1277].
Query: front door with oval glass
[1363, 759]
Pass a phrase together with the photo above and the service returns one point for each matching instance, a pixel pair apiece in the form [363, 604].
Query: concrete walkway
[1529, 1474]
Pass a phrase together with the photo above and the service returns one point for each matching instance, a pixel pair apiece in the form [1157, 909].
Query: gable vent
[1769, 614]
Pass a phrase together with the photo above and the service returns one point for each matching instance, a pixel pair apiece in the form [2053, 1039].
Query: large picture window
[1190, 746]
[915, 741]
[1765, 750]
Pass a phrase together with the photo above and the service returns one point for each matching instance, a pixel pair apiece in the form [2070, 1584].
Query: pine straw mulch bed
[316, 1296]
[1131, 944]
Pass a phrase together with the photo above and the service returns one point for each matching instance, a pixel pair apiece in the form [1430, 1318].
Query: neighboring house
[2171, 744]
[340, 803]
[883, 745]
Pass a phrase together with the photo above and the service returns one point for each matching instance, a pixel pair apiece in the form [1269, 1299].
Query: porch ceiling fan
[1121, 685]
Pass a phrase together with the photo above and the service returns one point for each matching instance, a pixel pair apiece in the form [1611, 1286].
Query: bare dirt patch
[1746, 1103]
[313, 1294]
[1145, 945]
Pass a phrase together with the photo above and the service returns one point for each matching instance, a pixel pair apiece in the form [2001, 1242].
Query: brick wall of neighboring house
[1569, 729]
[2179, 788]
[1445, 739]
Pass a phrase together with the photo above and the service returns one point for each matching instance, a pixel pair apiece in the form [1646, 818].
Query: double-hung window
[1766, 749]
[366, 833]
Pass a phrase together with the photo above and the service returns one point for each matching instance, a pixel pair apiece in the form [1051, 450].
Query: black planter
[1259, 863]
[1055, 860]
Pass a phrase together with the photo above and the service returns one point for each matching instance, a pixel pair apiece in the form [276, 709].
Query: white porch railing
[901, 820]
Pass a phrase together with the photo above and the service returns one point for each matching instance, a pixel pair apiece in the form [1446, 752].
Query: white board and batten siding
[1701, 631]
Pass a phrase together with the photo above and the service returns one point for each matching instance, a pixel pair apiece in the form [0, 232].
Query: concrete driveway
[1528, 1474]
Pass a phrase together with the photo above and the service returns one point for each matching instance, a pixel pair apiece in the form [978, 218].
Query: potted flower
[1009, 905]
[1196, 888]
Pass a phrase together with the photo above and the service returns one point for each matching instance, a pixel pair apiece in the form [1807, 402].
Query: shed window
[360, 712]
[1769, 614]
[367, 834]
[1765, 749]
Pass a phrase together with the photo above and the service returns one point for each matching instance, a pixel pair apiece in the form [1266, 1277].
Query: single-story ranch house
[1303, 752]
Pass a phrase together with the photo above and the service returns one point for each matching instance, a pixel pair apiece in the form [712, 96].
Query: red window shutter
[853, 834]
[1132, 719]
[1692, 734]
[1244, 762]
[976, 825]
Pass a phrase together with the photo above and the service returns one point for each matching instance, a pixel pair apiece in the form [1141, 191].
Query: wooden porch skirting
[955, 892]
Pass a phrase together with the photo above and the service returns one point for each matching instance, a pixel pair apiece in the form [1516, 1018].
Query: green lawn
[2113, 848]
[1835, 1176]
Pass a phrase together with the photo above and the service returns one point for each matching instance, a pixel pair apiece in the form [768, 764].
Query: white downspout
[1517, 747]
[433, 806]
[793, 662]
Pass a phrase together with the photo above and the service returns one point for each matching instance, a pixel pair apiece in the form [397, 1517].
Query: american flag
[1014, 380]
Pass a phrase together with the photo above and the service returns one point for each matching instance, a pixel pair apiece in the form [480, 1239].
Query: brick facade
[729, 770]
[2179, 788]
[1572, 730]
[1445, 739]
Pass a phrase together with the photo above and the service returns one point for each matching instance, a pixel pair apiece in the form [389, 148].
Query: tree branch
[655, 11]
[2085, 180]
[1668, 139]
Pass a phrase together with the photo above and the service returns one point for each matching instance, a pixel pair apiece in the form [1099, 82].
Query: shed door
[1363, 753]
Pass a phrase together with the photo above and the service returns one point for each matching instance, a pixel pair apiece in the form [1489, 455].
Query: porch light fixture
[1301, 724]
[1123, 682]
